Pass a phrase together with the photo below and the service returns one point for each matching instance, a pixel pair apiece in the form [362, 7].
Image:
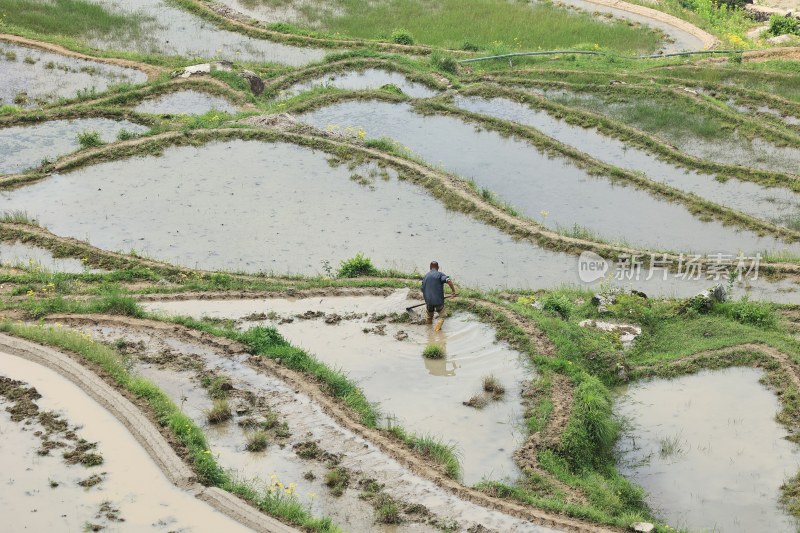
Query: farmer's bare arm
[452, 288]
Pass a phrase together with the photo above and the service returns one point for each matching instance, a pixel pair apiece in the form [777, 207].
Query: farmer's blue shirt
[433, 287]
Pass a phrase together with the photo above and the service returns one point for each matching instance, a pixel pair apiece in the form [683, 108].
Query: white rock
[644, 527]
[627, 332]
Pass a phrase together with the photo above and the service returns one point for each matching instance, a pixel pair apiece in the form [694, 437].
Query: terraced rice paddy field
[214, 217]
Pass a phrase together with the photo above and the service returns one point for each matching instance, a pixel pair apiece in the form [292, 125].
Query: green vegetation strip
[169, 415]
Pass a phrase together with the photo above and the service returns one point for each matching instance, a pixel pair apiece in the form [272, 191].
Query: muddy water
[178, 32]
[45, 76]
[550, 190]
[23, 147]
[185, 207]
[708, 451]
[132, 482]
[680, 40]
[367, 79]
[19, 255]
[185, 102]
[306, 422]
[423, 396]
[729, 149]
[769, 203]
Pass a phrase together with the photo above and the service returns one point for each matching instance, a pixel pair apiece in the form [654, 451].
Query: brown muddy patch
[48, 493]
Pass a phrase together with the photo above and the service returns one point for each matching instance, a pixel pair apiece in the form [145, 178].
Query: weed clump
[358, 265]
[759, 314]
[478, 401]
[386, 510]
[219, 412]
[124, 135]
[337, 479]
[257, 441]
[89, 139]
[781, 25]
[558, 304]
[492, 385]
[433, 351]
[445, 63]
[401, 36]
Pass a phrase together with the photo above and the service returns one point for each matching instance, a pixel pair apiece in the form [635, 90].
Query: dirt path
[709, 41]
[387, 444]
[142, 430]
[151, 71]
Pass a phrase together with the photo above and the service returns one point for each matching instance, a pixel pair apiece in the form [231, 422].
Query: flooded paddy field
[708, 450]
[29, 76]
[168, 208]
[20, 255]
[550, 190]
[371, 78]
[173, 31]
[727, 149]
[178, 366]
[185, 102]
[770, 203]
[126, 492]
[24, 147]
[423, 395]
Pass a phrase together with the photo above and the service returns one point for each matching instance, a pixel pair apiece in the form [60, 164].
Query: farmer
[433, 291]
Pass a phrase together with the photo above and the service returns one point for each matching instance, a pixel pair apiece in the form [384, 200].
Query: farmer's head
[434, 265]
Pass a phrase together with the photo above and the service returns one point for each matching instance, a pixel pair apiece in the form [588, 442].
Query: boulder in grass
[643, 527]
[256, 83]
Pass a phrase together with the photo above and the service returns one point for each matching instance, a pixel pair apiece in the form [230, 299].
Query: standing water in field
[708, 451]
[29, 76]
[371, 78]
[42, 492]
[547, 189]
[424, 396]
[173, 31]
[185, 102]
[186, 207]
[19, 255]
[769, 203]
[23, 147]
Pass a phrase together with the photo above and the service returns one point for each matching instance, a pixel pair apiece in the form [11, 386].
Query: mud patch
[49, 495]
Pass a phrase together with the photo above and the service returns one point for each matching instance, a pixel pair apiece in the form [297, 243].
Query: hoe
[439, 322]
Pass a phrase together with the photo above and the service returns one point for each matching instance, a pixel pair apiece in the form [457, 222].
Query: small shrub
[356, 266]
[781, 25]
[219, 412]
[444, 62]
[392, 88]
[124, 135]
[759, 314]
[469, 47]
[21, 98]
[559, 304]
[257, 441]
[29, 60]
[493, 385]
[401, 36]
[337, 479]
[433, 351]
[89, 139]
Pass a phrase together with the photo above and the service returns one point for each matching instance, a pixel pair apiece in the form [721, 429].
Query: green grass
[488, 25]
[433, 351]
[69, 18]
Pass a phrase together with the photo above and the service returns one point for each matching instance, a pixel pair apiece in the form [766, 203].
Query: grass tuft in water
[433, 351]
[219, 412]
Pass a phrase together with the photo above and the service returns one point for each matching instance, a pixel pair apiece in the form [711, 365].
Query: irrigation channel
[205, 273]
